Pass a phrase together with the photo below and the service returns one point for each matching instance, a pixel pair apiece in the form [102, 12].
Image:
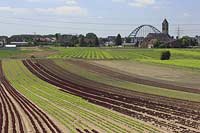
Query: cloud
[8, 9]
[61, 10]
[118, 0]
[68, 2]
[71, 2]
[36, 0]
[67, 7]
[137, 3]
[142, 3]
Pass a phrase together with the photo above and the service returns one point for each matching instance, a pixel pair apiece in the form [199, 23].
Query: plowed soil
[168, 114]
[19, 115]
[135, 78]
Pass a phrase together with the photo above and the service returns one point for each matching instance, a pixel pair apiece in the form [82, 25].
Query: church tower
[165, 27]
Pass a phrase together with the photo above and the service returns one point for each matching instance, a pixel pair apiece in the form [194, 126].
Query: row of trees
[183, 42]
[188, 42]
[90, 40]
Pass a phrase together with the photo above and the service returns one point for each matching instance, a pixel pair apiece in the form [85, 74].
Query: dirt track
[134, 78]
[19, 115]
[168, 114]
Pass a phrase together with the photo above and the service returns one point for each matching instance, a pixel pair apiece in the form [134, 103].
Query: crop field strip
[184, 58]
[132, 78]
[105, 121]
[94, 99]
[70, 76]
[13, 104]
[105, 53]
[122, 84]
[88, 53]
[104, 97]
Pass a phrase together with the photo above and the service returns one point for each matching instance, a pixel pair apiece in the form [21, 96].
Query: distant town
[139, 38]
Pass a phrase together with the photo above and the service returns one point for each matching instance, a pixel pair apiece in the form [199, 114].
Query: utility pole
[178, 32]
[34, 40]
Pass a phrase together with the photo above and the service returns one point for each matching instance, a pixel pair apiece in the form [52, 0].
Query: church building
[163, 37]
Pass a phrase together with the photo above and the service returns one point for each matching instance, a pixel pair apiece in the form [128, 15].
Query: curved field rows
[134, 78]
[18, 114]
[75, 113]
[168, 115]
[103, 78]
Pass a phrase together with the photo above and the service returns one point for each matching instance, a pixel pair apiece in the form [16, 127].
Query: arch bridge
[141, 32]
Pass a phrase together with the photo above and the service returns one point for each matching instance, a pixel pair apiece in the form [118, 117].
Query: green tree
[81, 41]
[157, 44]
[96, 42]
[194, 42]
[58, 35]
[91, 36]
[185, 42]
[74, 41]
[118, 40]
[128, 40]
[165, 55]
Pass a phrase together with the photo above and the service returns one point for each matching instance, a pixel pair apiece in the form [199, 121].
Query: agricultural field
[186, 58]
[166, 113]
[99, 90]
[19, 114]
[26, 52]
[135, 83]
[74, 113]
[87, 53]
[11, 53]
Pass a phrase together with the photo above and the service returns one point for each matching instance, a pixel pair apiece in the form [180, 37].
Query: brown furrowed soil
[179, 76]
[134, 78]
[19, 115]
[165, 113]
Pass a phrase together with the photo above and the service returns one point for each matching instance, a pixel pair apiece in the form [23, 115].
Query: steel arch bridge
[143, 31]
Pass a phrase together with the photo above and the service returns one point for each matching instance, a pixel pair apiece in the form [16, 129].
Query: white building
[18, 44]
[10, 46]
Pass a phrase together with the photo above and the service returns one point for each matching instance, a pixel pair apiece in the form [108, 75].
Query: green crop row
[70, 110]
[102, 78]
[180, 57]
[86, 53]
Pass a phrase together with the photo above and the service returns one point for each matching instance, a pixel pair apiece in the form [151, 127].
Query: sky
[103, 17]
